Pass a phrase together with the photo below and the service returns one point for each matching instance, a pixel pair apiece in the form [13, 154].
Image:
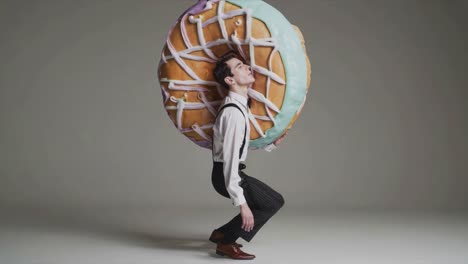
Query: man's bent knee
[280, 201]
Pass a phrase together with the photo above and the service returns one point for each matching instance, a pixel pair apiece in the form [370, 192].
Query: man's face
[242, 73]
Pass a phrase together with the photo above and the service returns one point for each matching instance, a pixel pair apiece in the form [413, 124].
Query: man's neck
[240, 90]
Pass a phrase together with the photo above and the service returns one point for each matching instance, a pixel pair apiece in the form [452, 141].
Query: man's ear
[229, 80]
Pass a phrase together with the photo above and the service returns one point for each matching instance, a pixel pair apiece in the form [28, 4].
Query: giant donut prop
[265, 39]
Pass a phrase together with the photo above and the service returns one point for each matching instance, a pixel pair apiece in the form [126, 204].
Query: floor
[158, 235]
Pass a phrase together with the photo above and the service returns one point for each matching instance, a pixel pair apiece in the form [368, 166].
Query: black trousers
[263, 201]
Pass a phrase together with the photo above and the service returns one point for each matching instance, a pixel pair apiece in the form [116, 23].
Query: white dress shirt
[228, 134]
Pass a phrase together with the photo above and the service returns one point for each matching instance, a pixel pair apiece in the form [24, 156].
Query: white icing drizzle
[264, 118]
[184, 32]
[208, 6]
[191, 129]
[227, 15]
[196, 85]
[182, 105]
[202, 96]
[191, 82]
[180, 109]
[181, 62]
[175, 87]
[187, 105]
[248, 26]
[261, 98]
[221, 23]
[256, 125]
[166, 95]
[270, 59]
[200, 132]
[196, 58]
[201, 36]
[238, 44]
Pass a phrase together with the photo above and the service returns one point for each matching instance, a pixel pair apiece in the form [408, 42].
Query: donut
[264, 38]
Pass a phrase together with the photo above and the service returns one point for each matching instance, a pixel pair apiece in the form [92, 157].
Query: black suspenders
[245, 130]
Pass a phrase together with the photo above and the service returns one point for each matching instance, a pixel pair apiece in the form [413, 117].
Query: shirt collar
[241, 99]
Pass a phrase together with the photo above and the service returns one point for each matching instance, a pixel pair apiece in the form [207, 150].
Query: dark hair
[222, 70]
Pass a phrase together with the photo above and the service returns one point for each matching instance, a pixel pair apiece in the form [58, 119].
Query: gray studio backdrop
[82, 121]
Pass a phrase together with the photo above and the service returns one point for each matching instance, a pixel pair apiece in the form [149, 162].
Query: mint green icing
[294, 60]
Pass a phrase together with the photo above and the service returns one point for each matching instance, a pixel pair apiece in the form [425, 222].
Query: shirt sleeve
[233, 126]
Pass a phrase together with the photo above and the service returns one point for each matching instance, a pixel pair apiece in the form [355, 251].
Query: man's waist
[220, 164]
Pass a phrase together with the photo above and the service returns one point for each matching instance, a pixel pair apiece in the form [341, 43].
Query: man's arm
[234, 131]
[233, 126]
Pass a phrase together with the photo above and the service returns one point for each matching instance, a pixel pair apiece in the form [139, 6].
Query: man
[256, 200]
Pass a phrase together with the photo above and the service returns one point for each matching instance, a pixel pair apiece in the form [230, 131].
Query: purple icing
[198, 7]
[164, 95]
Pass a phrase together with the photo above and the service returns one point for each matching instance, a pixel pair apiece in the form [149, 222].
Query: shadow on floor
[151, 238]
[163, 241]
[167, 242]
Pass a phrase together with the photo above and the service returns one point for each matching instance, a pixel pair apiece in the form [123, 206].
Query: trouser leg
[263, 201]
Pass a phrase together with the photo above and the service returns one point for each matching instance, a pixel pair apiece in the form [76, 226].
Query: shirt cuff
[270, 147]
[238, 201]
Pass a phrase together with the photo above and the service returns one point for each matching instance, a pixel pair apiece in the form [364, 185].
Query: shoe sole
[223, 254]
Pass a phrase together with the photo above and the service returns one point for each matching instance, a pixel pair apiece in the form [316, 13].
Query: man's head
[232, 72]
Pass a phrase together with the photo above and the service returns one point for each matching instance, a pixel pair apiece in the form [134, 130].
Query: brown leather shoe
[232, 251]
[217, 236]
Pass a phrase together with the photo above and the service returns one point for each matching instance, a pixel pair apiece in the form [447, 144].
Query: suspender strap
[245, 130]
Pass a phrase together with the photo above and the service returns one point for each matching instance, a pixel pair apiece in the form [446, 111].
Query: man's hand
[247, 217]
[280, 139]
